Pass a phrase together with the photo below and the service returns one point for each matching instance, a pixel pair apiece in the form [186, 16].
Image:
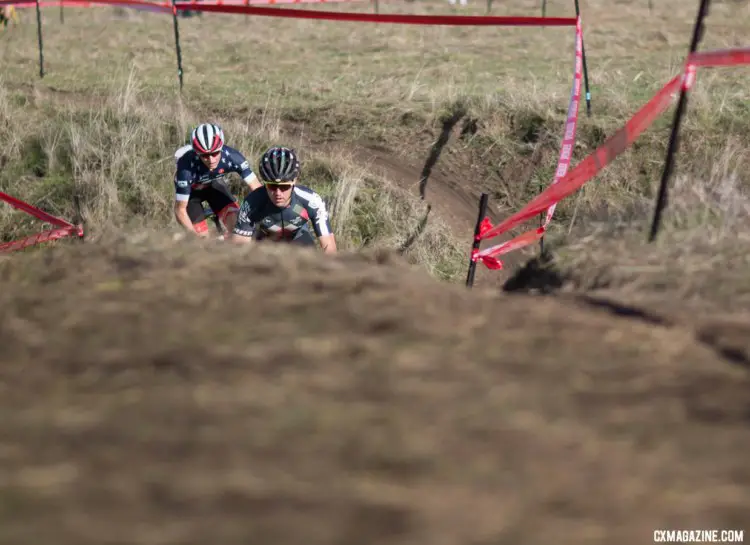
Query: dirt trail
[350, 400]
[454, 203]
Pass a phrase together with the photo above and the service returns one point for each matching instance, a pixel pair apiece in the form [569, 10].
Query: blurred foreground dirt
[156, 393]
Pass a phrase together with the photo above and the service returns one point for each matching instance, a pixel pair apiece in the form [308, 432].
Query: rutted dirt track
[159, 394]
[453, 202]
[456, 204]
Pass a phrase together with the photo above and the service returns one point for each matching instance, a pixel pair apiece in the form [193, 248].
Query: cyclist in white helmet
[201, 168]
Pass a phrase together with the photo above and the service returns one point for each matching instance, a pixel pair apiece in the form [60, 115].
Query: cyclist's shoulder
[186, 158]
[232, 153]
[256, 198]
[305, 192]
[235, 159]
[308, 196]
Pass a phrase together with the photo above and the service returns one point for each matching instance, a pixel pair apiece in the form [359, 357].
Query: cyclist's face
[280, 194]
[211, 160]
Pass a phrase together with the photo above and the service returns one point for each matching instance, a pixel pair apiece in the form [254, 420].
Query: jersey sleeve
[241, 166]
[246, 225]
[316, 208]
[183, 178]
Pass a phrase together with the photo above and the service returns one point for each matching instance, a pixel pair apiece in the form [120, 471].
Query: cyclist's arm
[244, 229]
[252, 181]
[328, 244]
[181, 215]
[246, 173]
[181, 197]
[319, 217]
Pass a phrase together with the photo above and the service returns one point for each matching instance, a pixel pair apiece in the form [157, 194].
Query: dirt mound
[192, 394]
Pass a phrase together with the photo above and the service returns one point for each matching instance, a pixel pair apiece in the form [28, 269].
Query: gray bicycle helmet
[279, 164]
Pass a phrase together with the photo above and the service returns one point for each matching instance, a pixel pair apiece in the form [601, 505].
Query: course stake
[39, 39]
[661, 199]
[484, 199]
[176, 41]
[585, 67]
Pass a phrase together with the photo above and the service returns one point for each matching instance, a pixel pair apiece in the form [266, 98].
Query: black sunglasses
[279, 187]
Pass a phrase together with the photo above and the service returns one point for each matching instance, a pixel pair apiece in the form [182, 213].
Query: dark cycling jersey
[193, 174]
[260, 218]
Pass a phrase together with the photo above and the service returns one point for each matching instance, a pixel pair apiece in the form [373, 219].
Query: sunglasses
[214, 154]
[279, 187]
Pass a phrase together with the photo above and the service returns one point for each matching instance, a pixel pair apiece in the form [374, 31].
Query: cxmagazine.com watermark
[699, 536]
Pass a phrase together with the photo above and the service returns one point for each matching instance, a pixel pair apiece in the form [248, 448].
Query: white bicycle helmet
[207, 138]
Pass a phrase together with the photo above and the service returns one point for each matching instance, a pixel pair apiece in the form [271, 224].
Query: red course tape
[64, 229]
[45, 236]
[294, 13]
[605, 154]
[135, 4]
[594, 163]
[460, 20]
[724, 57]
[488, 256]
[34, 211]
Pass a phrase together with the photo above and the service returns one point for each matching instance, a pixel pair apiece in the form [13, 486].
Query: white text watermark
[699, 536]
